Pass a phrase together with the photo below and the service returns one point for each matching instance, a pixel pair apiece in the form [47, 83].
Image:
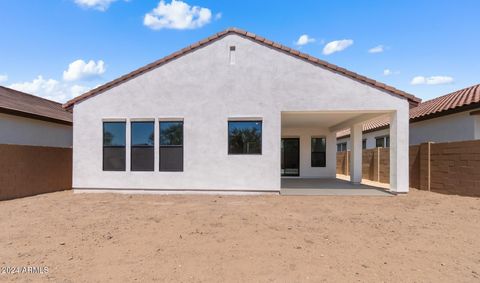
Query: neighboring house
[30, 120]
[233, 112]
[448, 118]
[35, 145]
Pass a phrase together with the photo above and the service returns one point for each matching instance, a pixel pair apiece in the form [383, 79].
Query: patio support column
[399, 151]
[356, 154]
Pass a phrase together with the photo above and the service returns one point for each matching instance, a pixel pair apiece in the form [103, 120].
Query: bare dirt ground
[421, 237]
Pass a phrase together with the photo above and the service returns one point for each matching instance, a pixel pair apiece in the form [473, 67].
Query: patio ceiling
[319, 119]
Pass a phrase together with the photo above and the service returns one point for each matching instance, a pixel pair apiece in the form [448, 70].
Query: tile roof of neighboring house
[459, 100]
[412, 99]
[469, 96]
[22, 104]
[371, 125]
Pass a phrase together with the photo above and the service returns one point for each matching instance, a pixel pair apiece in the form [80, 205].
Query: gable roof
[457, 101]
[261, 40]
[26, 105]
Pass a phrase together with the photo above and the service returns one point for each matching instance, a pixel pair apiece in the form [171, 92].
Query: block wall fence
[31, 170]
[450, 168]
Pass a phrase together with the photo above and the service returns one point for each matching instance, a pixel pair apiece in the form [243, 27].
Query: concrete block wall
[455, 168]
[31, 170]
[369, 160]
[384, 168]
[450, 168]
[343, 162]
[414, 166]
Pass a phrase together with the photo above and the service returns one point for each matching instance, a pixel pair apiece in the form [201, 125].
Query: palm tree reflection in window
[245, 137]
[171, 133]
[107, 138]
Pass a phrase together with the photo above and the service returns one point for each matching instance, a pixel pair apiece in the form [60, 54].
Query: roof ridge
[252, 36]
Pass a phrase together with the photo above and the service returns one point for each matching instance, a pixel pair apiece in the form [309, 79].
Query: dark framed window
[318, 156]
[364, 144]
[244, 137]
[342, 146]
[171, 146]
[142, 146]
[383, 141]
[114, 146]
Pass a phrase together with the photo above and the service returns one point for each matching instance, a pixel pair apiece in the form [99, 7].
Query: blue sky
[59, 49]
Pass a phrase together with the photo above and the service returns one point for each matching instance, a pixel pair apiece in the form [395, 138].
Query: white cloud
[3, 78]
[62, 91]
[101, 5]
[177, 15]
[376, 49]
[50, 89]
[80, 69]
[218, 16]
[432, 80]
[389, 72]
[336, 46]
[304, 39]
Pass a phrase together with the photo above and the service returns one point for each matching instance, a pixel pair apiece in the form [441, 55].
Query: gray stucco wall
[205, 90]
[477, 127]
[450, 128]
[26, 131]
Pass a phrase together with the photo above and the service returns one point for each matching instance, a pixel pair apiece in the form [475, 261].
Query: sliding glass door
[290, 157]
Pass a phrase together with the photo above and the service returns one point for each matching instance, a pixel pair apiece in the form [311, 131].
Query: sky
[59, 49]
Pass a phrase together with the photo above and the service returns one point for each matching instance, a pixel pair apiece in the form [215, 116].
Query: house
[232, 112]
[30, 120]
[35, 145]
[448, 118]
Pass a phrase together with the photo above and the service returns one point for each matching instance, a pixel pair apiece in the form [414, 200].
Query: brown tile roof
[22, 104]
[460, 100]
[369, 126]
[412, 99]
[469, 96]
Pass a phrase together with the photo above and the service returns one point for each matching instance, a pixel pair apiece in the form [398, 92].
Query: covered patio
[308, 157]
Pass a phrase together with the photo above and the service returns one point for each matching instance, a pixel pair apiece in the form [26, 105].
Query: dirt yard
[422, 237]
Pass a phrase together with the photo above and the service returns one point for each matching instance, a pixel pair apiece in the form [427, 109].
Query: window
[318, 158]
[142, 151]
[171, 146]
[113, 146]
[342, 146]
[245, 137]
[364, 144]
[383, 141]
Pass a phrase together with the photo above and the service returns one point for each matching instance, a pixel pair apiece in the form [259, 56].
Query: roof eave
[29, 115]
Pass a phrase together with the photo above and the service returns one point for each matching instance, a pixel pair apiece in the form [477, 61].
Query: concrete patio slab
[328, 187]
